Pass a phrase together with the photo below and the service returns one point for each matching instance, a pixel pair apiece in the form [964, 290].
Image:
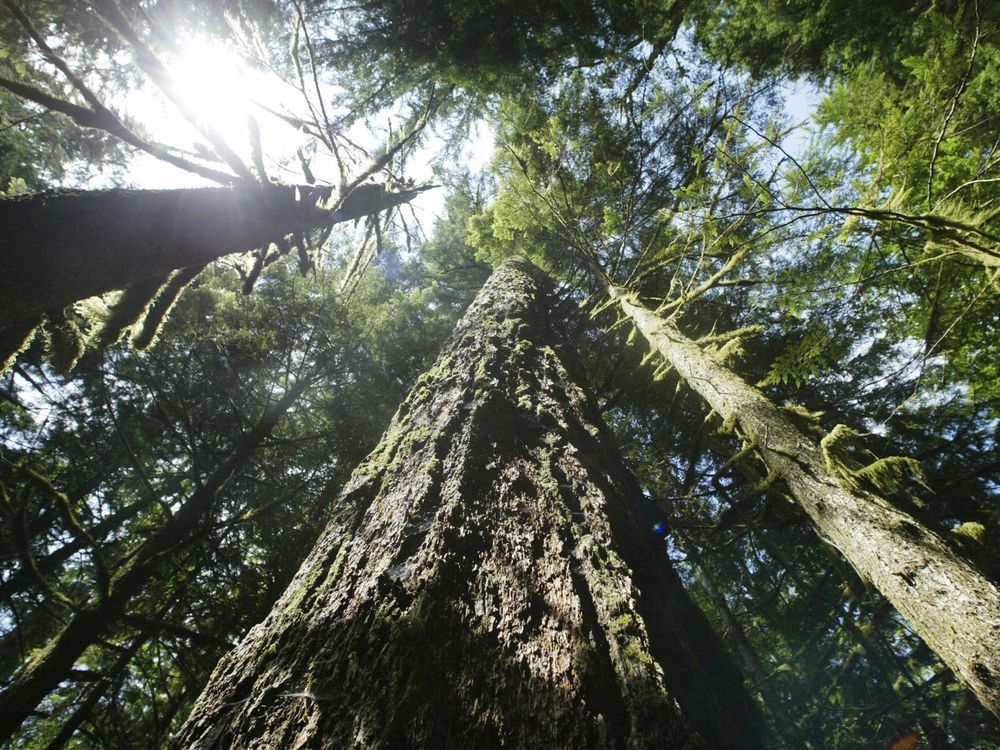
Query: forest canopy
[761, 248]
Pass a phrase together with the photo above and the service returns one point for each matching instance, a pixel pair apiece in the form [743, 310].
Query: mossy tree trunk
[950, 603]
[57, 248]
[481, 584]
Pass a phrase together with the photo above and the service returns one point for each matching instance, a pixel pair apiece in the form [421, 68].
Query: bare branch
[107, 122]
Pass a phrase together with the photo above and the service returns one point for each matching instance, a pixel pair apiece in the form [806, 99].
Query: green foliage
[800, 361]
[39, 148]
[496, 45]
[806, 37]
[640, 165]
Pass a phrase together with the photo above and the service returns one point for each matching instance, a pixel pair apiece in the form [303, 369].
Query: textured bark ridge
[950, 604]
[475, 589]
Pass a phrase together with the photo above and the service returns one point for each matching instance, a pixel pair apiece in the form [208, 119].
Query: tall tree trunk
[950, 604]
[60, 247]
[474, 588]
[88, 623]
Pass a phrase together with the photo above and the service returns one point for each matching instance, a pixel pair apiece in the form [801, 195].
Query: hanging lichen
[66, 342]
[259, 257]
[727, 347]
[162, 305]
[662, 371]
[14, 340]
[884, 476]
[128, 310]
[736, 333]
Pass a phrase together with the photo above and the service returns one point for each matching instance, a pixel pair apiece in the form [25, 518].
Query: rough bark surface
[475, 589]
[950, 604]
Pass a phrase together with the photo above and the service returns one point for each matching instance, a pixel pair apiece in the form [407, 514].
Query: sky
[218, 83]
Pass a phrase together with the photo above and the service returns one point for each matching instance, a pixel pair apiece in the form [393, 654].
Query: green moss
[806, 421]
[481, 372]
[835, 446]
[797, 410]
[890, 474]
[524, 345]
[971, 531]
[765, 484]
[335, 567]
[735, 334]
[741, 454]
[546, 478]
[523, 396]
[623, 622]
[308, 584]
[636, 656]
[584, 545]
[584, 658]
[729, 352]
[311, 582]
[885, 475]
[728, 425]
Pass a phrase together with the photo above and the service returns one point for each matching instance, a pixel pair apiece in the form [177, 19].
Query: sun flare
[213, 81]
[213, 86]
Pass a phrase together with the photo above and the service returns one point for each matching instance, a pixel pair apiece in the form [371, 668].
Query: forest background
[844, 262]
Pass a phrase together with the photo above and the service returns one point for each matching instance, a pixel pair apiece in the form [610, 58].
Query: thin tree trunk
[57, 248]
[950, 604]
[87, 624]
[474, 588]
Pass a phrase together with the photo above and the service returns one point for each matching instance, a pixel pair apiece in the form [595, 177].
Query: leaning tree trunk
[950, 604]
[61, 247]
[474, 589]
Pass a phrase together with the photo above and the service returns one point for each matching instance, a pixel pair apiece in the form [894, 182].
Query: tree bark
[60, 247]
[475, 587]
[951, 605]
